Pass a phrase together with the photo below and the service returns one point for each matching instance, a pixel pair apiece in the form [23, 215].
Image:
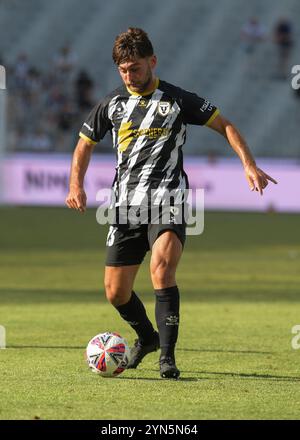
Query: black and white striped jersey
[148, 133]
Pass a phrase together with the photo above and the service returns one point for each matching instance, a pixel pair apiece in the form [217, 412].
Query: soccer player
[147, 118]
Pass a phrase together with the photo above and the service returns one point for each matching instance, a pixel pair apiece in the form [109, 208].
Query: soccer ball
[107, 354]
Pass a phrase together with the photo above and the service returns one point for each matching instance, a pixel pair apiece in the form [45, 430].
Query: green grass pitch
[240, 293]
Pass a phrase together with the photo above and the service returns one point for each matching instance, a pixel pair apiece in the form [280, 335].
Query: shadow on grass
[245, 375]
[207, 350]
[77, 347]
[158, 379]
[216, 293]
[251, 376]
[186, 379]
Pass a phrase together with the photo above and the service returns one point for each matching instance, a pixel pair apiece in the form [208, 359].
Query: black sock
[167, 318]
[135, 314]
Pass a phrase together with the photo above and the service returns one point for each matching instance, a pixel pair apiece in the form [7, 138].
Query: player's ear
[153, 61]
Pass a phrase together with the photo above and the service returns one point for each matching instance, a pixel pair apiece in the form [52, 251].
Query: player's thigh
[118, 282]
[166, 253]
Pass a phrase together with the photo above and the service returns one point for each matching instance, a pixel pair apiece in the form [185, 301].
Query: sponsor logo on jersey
[152, 132]
[206, 106]
[126, 134]
[164, 108]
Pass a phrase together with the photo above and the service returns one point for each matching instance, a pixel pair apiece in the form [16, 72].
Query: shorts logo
[164, 108]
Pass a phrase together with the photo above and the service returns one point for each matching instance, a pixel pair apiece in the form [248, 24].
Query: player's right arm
[92, 131]
[76, 198]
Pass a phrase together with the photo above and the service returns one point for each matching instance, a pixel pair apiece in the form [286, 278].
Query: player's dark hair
[134, 43]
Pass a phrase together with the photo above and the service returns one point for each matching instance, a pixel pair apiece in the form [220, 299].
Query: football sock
[135, 314]
[167, 318]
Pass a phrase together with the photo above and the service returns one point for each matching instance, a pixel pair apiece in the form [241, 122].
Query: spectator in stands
[66, 117]
[40, 141]
[37, 141]
[34, 85]
[42, 102]
[65, 62]
[283, 38]
[21, 69]
[55, 100]
[252, 34]
[83, 89]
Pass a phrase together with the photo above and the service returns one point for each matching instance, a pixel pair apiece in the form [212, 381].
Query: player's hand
[257, 178]
[76, 199]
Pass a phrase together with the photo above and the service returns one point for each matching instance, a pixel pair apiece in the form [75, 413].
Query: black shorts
[127, 244]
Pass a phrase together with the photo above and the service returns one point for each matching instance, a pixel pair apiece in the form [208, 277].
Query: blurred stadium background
[199, 47]
[240, 279]
[58, 63]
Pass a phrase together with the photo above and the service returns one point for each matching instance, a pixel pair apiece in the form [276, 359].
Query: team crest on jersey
[164, 108]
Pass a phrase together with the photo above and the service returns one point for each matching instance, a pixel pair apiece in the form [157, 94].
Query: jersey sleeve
[197, 110]
[96, 124]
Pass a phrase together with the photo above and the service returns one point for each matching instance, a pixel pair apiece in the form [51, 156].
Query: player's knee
[116, 295]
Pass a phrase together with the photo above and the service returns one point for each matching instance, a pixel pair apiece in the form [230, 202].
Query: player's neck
[152, 86]
[150, 89]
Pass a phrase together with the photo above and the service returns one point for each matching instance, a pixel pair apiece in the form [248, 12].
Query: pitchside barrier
[32, 179]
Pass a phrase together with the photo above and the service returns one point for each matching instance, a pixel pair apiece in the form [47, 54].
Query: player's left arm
[256, 177]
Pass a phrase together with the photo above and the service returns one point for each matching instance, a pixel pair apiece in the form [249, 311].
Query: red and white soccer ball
[107, 354]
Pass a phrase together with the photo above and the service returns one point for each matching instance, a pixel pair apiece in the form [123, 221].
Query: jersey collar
[145, 93]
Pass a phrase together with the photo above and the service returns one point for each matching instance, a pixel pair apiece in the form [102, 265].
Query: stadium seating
[198, 45]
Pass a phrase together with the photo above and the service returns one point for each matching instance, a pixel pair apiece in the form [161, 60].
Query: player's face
[137, 74]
